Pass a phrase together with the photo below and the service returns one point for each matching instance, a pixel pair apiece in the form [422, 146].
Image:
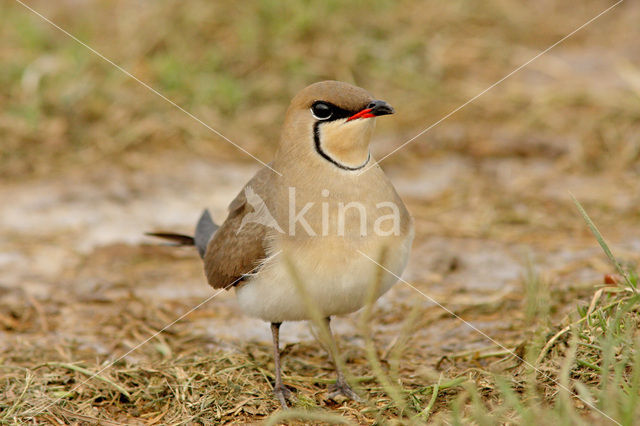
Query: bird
[303, 231]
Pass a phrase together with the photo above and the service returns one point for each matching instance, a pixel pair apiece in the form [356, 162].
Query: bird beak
[374, 109]
[381, 108]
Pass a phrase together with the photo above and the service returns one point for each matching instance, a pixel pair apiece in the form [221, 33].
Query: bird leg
[341, 387]
[281, 392]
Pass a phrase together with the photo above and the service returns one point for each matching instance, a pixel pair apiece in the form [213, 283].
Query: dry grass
[570, 121]
[236, 67]
[177, 380]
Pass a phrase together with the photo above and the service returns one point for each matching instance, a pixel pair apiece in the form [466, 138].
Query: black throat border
[316, 141]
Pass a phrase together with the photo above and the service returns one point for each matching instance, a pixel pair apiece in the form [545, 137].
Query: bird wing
[237, 248]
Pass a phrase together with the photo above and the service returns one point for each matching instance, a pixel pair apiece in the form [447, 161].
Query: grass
[585, 369]
[575, 112]
[588, 371]
[237, 67]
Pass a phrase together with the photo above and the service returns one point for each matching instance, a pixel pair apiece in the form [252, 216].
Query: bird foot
[343, 388]
[283, 394]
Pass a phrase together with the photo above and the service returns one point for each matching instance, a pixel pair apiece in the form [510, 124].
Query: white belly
[336, 277]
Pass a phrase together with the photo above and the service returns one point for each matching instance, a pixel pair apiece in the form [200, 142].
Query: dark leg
[281, 392]
[341, 387]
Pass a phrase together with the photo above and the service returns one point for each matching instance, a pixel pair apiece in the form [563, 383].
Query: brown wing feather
[231, 254]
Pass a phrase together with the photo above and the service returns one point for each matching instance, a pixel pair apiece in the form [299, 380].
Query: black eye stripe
[336, 112]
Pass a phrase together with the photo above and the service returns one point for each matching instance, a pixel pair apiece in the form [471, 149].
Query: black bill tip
[380, 108]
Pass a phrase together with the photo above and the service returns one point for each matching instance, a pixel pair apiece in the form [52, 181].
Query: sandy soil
[76, 245]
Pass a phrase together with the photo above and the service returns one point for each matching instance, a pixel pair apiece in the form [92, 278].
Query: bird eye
[321, 111]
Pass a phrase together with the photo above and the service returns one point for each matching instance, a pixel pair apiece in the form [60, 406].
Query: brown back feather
[231, 254]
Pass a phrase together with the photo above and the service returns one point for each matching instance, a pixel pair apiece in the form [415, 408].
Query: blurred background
[90, 159]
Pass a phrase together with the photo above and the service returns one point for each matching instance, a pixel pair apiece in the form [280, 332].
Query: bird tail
[176, 239]
[205, 228]
[204, 231]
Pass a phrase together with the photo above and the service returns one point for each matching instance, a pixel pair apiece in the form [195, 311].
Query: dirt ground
[81, 285]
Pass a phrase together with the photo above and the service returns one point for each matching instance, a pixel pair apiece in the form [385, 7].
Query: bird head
[334, 121]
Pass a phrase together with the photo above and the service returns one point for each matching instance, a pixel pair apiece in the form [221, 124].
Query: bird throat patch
[341, 143]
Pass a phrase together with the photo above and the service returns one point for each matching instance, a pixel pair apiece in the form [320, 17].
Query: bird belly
[336, 278]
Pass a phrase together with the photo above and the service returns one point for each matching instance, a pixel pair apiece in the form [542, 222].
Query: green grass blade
[594, 230]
